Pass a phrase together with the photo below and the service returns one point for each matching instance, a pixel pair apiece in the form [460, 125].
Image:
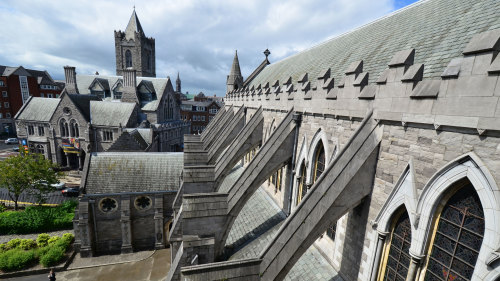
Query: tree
[27, 173]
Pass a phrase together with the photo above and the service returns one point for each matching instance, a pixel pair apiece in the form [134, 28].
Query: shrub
[53, 240]
[2, 208]
[27, 244]
[3, 247]
[14, 243]
[16, 259]
[68, 237]
[38, 219]
[52, 256]
[42, 239]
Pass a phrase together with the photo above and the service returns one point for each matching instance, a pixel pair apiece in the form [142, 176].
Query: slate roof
[437, 29]
[43, 77]
[38, 109]
[83, 103]
[197, 103]
[158, 84]
[105, 113]
[112, 172]
[145, 133]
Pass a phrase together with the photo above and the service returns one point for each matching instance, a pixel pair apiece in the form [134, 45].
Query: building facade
[199, 113]
[17, 84]
[134, 49]
[383, 157]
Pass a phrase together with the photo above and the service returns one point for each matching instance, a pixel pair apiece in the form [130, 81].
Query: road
[6, 150]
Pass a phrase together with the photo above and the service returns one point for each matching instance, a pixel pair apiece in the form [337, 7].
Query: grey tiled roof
[111, 172]
[231, 178]
[84, 81]
[38, 109]
[437, 29]
[255, 227]
[114, 114]
[197, 103]
[145, 133]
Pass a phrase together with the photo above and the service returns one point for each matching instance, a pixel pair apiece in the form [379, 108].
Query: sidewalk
[145, 265]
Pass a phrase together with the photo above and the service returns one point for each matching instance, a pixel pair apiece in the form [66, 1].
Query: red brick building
[199, 113]
[17, 85]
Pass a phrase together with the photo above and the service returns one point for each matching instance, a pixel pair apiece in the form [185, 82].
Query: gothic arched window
[128, 58]
[397, 250]
[302, 190]
[63, 128]
[74, 129]
[456, 240]
[319, 161]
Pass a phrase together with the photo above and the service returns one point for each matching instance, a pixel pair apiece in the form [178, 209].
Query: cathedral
[372, 156]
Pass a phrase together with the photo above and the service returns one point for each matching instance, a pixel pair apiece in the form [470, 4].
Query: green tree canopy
[30, 173]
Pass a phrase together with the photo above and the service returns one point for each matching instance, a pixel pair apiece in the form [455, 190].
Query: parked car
[73, 191]
[16, 149]
[58, 186]
[11, 141]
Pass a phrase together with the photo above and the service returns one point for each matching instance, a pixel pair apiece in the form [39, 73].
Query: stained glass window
[319, 161]
[302, 184]
[398, 257]
[458, 238]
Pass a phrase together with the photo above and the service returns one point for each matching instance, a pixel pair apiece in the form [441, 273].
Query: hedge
[38, 219]
[20, 253]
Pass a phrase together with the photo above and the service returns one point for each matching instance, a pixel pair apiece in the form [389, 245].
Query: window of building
[7, 115]
[108, 205]
[457, 238]
[142, 203]
[128, 58]
[397, 250]
[42, 95]
[73, 127]
[117, 95]
[2, 83]
[203, 118]
[57, 96]
[63, 128]
[1, 115]
[200, 108]
[6, 104]
[25, 92]
[107, 135]
[213, 110]
[210, 118]
[319, 161]
[4, 94]
[39, 149]
[302, 190]
[31, 130]
[41, 131]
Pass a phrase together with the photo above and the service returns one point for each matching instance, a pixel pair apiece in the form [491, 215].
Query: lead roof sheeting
[438, 29]
[111, 172]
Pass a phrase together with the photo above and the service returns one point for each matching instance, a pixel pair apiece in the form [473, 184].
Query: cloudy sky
[195, 37]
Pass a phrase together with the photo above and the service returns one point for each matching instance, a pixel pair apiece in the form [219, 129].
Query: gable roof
[43, 77]
[38, 109]
[110, 172]
[113, 114]
[437, 29]
[9, 70]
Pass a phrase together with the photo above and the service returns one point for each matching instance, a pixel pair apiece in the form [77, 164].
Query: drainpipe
[297, 118]
[95, 139]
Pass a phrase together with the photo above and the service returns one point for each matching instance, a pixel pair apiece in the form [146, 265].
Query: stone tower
[234, 79]
[134, 49]
[178, 84]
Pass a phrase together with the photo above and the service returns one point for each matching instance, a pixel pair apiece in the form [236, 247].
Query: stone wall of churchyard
[431, 149]
[108, 233]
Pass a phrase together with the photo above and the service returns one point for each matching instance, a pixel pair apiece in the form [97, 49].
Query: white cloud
[195, 37]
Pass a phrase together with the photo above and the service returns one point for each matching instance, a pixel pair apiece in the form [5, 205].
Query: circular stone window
[142, 203]
[108, 205]
[67, 111]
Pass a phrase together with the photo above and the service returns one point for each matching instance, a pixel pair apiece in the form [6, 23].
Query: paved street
[6, 150]
[152, 268]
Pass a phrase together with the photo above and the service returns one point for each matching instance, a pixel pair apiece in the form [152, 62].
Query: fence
[26, 199]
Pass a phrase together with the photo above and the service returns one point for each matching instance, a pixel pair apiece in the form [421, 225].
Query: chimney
[70, 76]
[129, 86]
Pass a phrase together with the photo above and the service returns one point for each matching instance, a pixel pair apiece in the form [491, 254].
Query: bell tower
[133, 49]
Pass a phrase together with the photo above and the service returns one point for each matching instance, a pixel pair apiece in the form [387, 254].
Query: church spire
[133, 26]
[178, 83]
[234, 79]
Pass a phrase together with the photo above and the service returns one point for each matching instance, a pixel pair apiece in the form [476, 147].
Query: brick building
[17, 84]
[199, 113]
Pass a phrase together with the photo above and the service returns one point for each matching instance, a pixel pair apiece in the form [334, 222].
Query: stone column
[126, 225]
[378, 254]
[288, 186]
[80, 162]
[414, 267]
[159, 228]
[84, 228]
[68, 164]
